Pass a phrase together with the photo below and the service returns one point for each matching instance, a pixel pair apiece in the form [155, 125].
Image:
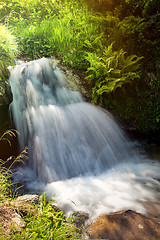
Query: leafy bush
[134, 27]
[111, 70]
[8, 49]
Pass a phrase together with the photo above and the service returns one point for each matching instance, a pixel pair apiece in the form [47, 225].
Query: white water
[77, 152]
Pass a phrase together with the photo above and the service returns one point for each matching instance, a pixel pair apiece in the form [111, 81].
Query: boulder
[10, 220]
[12, 211]
[25, 204]
[126, 225]
[34, 198]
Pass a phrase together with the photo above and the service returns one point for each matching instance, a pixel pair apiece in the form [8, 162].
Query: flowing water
[77, 152]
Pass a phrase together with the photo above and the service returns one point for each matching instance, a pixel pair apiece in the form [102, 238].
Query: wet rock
[23, 209]
[24, 205]
[153, 210]
[10, 220]
[28, 198]
[126, 225]
[79, 219]
[73, 80]
[5, 94]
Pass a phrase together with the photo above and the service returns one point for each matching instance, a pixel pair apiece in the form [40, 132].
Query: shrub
[8, 49]
[111, 70]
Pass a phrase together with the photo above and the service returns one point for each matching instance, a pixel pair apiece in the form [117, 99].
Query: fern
[111, 70]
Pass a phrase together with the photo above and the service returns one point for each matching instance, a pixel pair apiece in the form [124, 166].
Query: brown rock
[126, 225]
[10, 220]
[23, 208]
[23, 205]
[28, 198]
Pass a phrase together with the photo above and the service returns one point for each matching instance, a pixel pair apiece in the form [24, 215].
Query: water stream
[77, 152]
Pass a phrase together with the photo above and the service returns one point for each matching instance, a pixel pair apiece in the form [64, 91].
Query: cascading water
[77, 152]
[65, 136]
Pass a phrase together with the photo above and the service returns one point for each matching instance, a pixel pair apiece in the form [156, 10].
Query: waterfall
[71, 142]
[66, 137]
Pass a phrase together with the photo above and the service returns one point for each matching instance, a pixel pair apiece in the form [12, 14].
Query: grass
[59, 28]
[8, 49]
[5, 173]
[46, 223]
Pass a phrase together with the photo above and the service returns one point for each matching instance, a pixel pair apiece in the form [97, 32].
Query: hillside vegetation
[116, 42]
[8, 50]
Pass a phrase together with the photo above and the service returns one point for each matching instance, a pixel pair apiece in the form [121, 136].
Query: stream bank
[121, 225]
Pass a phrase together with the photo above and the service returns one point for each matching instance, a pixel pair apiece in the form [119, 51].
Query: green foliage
[151, 7]
[121, 7]
[138, 104]
[133, 26]
[8, 49]
[46, 28]
[49, 224]
[4, 182]
[46, 223]
[5, 173]
[111, 71]
[151, 111]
